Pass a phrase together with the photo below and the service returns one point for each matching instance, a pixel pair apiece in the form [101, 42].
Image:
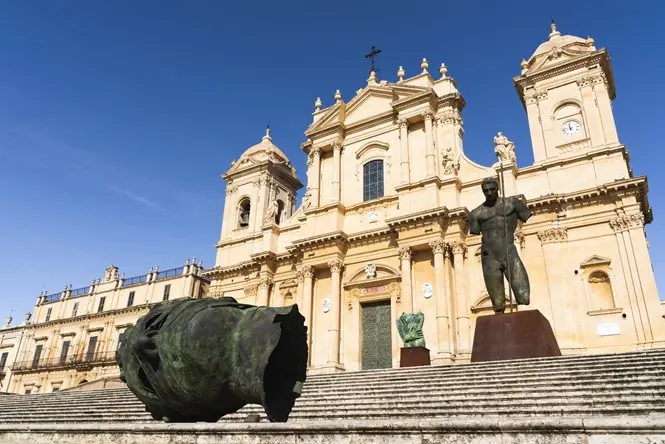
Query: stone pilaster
[442, 315]
[405, 168]
[308, 296]
[315, 179]
[463, 309]
[334, 313]
[407, 297]
[337, 167]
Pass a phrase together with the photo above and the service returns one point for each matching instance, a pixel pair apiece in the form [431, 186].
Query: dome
[265, 150]
[558, 41]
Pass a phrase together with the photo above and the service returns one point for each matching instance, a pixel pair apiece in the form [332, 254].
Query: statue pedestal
[517, 335]
[414, 357]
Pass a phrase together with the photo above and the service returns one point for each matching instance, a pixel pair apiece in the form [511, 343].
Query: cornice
[240, 240]
[455, 100]
[328, 238]
[386, 200]
[112, 314]
[369, 234]
[428, 96]
[400, 221]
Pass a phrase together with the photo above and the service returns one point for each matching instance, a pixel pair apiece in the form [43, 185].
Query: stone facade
[384, 216]
[72, 336]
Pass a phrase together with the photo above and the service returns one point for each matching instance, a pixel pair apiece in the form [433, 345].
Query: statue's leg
[518, 278]
[494, 282]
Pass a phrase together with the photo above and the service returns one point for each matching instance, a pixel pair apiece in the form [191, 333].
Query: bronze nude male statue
[496, 219]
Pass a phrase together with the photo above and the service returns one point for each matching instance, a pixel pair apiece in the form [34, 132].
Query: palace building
[383, 225]
[71, 338]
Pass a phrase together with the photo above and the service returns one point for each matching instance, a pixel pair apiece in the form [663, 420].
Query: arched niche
[244, 212]
[597, 278]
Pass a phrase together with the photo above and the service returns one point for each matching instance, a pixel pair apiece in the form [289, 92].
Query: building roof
[265, 150]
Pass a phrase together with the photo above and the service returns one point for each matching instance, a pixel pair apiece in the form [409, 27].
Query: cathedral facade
[383, 226]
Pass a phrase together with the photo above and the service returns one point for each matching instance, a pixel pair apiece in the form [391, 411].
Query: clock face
[570, 128]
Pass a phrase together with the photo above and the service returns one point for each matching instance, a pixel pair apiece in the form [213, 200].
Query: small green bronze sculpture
[193, 360]
[410, 328]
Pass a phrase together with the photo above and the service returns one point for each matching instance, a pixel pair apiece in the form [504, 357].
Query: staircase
[619, 386]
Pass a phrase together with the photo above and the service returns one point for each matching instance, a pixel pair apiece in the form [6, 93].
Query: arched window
[280, 210]
[600, 293]
[373, 180]
[244, 209]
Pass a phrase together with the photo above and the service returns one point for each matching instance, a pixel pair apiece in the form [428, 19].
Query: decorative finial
[372, 78]
[122, 276]
[590, 42]
[157, 269]
[187, 262]
[200, 263]
[267, 136]
[150, 271]
[524, 65]
[424, 65]
[338, 96]
[400, 74]
[443, 70]
[318, 104]
[554, 32]
[194, 259]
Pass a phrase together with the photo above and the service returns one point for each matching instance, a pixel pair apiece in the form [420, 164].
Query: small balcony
[81, 361]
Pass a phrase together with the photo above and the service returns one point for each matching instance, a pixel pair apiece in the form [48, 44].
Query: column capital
[337, 146]
[307, 271]
[265, 282]
[404, 253]
[402, 122]
[315, 151]
[627, 221]
[459, 247]
[335, 265]
[555, 234]
[438, 246]
[427, 115]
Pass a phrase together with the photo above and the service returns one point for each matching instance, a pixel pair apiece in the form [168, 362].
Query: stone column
[258, 207]
[315, 159]
[463, 309]
[308, 295]
[334, 313]
[337, 167]
[264, 291]
[407, 298]
[430, 159]
[442, 316]
[404, 149]
[300, 278]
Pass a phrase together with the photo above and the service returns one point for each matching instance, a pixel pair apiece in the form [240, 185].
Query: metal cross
[372, 54]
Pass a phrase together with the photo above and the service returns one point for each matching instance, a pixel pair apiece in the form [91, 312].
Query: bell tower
[261, 190]
[567, 88]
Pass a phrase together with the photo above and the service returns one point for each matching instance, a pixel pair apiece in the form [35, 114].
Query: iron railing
[170, 273]
[80, 292]
[53, 297]
[135, 280]
[79, 360]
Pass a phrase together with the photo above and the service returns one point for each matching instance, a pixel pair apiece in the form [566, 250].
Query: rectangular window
[101, 304]
[37, 355]
[3, 360]
[130, 299]
[373, 180]
[75, 309]
[92, 345]
[55, 389]
[64, 351]
[167, 292]
[48, 314]
[120, 338]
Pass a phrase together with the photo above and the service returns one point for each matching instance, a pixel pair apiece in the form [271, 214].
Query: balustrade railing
[80, 292]
[135, 280]
[52, 297]
[170, 273]
[64, 362]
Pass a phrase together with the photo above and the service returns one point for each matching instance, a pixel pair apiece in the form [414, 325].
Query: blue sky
[117, 118]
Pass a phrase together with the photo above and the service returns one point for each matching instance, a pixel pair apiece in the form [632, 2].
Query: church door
[376, 335]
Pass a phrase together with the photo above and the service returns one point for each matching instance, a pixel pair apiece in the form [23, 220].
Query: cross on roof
[372, 54]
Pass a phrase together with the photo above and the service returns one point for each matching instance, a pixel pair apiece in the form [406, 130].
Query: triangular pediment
[372, 101]
[332, 116]
[595, 260]
[556, 57]
[245, 162]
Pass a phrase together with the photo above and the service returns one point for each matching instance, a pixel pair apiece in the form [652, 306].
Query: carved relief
[251, 290]
[556, 234]
[395, 290]
[370, 270]
[628, 221]
[351, 295]
[520, 238]
[451, 165]
[574, 146]
[504, 148]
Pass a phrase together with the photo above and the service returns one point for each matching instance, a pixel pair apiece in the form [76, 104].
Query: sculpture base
[414, 357]
[518, 335]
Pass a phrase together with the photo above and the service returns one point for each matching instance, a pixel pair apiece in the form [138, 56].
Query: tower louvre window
[244, 209]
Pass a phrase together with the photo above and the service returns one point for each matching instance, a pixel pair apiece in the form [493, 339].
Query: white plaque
[427, 291]
[326, 305]
[372, 216]
[608, 329]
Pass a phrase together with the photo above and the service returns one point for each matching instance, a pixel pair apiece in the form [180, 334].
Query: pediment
[555, 57]
[382, 274]
[372, 101]
[241, 164]
[334, 115]
[595, 260]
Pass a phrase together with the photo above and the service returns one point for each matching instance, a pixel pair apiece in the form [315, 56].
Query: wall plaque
[326, 305]
[608, 329]
[427, 290]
